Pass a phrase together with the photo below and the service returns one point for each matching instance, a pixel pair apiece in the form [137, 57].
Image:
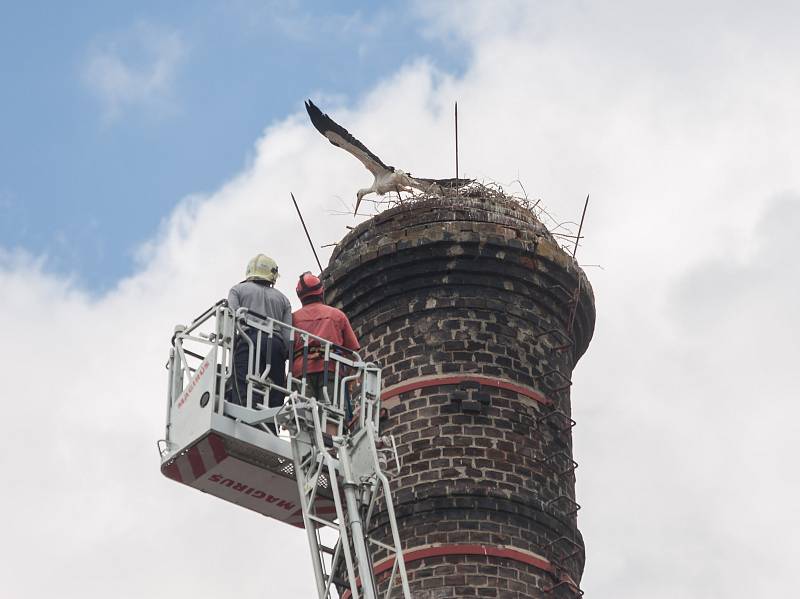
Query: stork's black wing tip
[312, 108]
[341, 137]
[318, 119]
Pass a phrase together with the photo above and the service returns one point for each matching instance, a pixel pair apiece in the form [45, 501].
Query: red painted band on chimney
[486, 381]
[420, 553]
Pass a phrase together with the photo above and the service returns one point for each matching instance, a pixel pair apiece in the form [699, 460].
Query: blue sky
[111, 113]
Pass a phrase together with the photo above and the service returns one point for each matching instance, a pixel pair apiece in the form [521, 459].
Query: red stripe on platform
[171, 471]
[196, 462]
[421, 553]
[217, 448]
[485, 381]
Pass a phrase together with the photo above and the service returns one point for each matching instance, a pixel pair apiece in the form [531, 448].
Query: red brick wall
[473, 300]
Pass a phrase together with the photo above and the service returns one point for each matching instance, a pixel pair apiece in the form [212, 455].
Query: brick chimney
[478, 318]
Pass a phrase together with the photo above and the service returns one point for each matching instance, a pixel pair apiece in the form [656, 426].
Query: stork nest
[564, 232]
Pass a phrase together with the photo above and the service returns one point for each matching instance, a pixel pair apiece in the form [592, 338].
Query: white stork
[387, 178]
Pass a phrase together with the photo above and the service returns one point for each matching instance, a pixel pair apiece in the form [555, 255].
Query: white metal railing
[212, 336]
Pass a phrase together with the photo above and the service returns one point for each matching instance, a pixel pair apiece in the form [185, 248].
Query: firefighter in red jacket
[324, 321]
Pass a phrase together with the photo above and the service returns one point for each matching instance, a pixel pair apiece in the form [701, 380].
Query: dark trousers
[277, 371]
[315, 383]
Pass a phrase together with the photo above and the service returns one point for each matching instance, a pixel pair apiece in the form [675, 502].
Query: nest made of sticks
[564, 232]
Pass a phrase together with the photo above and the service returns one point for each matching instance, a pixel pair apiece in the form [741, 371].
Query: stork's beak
[358, 202]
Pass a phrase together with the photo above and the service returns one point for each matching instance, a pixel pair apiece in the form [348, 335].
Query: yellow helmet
[262, 267]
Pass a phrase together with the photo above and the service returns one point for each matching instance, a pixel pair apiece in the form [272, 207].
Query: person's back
[326, 322]
[258, 295]
[323, 321]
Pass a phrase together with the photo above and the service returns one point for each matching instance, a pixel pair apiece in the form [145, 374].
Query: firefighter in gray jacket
[258, 294]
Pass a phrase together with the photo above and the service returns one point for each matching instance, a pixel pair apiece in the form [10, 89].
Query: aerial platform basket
[324, 473]
[217, 446]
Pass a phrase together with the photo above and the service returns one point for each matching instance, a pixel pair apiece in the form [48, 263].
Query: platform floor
[245, 466]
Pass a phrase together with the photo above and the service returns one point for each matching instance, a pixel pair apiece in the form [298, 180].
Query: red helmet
[308, 286]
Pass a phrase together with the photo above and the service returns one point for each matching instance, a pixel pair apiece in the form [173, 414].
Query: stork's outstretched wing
[341, 137]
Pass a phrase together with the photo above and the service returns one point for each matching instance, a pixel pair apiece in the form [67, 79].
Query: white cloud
[683, 130]
[136, 68]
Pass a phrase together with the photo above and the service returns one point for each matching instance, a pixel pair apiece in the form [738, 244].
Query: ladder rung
[381, 545]
[319, 520]
[343, 584]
